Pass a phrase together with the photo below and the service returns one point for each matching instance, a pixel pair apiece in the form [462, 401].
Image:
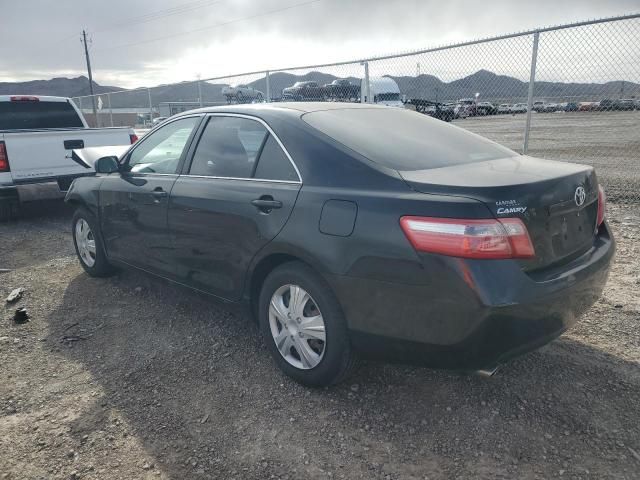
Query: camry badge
[580, 196]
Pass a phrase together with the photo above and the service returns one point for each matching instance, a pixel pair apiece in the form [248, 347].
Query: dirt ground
[129, 377]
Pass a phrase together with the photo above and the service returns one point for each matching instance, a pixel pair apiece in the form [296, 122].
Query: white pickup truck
[37, 136]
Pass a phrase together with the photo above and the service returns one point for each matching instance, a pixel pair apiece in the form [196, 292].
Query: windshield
[32, 115]
[404, 140]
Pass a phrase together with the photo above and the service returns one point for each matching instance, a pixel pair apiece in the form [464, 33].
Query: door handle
[266, 203]
[71, 144]
[158, 194]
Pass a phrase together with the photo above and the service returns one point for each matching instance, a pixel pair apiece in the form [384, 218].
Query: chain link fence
[569, 93]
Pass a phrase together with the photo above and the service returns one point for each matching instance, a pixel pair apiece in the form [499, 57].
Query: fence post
[365, 94]
[150, 107]
[200, 93]
[99, 114]
[110, 109]
[532, 79]
[268, 87]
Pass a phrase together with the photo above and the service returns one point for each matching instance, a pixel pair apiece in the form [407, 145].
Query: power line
[211, 27]
[150, 17]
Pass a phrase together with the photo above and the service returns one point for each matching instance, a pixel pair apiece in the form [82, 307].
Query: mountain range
[492, 87]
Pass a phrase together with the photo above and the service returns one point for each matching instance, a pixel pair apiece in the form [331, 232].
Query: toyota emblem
[580, 196]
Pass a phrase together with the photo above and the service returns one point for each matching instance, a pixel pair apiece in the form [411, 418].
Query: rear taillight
[486, 239]
[133, 138]
[4, 158]
[24, 98]
[602, 204]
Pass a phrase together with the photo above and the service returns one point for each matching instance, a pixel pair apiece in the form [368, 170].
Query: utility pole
[86, 54]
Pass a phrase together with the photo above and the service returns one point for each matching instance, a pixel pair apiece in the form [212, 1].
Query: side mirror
[107, 165]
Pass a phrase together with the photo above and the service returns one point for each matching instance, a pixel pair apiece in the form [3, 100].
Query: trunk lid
[557, 201]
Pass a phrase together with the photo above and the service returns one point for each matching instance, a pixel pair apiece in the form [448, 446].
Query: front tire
[303, 326]
[88, 244]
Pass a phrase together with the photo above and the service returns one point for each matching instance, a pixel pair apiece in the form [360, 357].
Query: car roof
[303, 107]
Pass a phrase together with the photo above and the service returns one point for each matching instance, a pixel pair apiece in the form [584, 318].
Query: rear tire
[332, 359]
[8, 210]
[88, 244]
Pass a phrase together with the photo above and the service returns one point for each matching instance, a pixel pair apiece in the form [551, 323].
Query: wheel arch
[83, 192]
[76, 201]
[263, 267]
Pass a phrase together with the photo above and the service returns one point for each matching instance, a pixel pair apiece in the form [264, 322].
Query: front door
[133, 202]
[236, 195]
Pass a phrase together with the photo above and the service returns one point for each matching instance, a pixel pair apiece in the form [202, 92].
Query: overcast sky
[148, 42]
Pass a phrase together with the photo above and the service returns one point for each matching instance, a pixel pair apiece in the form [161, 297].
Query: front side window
[229, 147]
[160, 152]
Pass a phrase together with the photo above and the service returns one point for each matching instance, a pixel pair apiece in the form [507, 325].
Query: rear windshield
[28, 115]
[404, 140]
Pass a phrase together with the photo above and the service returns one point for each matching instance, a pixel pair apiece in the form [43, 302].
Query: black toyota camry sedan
[353, 230]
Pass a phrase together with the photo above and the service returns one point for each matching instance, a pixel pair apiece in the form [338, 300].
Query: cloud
[151, 42]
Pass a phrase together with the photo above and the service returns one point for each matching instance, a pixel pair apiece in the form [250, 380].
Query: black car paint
[538, 191]
[400, 304]
[216, 230]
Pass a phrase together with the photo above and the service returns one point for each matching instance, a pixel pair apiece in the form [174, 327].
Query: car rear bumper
[28, 192]
[8, 193]
[471, 314]
[51, 188]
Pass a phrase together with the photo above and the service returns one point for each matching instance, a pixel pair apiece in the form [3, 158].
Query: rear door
[133, 202]
[234, 197]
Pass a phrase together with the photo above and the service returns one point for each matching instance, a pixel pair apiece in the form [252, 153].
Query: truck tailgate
[46, 154]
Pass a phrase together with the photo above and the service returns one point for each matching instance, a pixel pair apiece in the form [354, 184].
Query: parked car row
[339, 90]
[441, 111]
[620, 104]
[550, 107]
[385, 89]
[242, 93]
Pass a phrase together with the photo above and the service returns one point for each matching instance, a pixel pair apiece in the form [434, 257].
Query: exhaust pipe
[487, 372]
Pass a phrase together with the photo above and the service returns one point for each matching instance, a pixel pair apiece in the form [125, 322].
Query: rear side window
[32, 115]
[404, 140]
[228, 147]
[274, 164]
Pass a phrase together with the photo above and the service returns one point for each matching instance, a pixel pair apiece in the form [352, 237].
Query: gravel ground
[129, 377]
